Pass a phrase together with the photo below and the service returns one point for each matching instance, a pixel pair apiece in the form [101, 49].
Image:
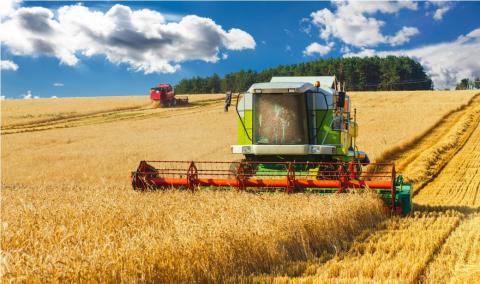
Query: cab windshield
[280, 119]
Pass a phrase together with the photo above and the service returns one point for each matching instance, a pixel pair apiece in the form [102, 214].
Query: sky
[102, 48]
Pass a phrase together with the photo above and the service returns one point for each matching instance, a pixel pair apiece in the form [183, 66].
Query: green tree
[358, 74]
[463, 85]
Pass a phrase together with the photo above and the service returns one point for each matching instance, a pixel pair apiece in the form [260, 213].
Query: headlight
[315, 149]
[246, 149]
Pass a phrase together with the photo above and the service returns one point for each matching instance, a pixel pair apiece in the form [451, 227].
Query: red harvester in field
[165, 95]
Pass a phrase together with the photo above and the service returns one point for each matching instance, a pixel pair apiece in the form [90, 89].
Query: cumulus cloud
[403, 36]
[438, 15]
[8, 65]
[441, 8]
[58, 84]
[315, 47]
[29, 96]
[7, 7]
[446, 63]
[142, 39]
[351, 23]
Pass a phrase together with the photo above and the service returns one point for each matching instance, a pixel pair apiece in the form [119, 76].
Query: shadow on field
[443, 208]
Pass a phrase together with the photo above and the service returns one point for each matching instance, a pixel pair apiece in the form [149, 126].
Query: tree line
[358, 73]
[468, 84]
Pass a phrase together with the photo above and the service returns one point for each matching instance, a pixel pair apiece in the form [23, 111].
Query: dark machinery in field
[165, 95]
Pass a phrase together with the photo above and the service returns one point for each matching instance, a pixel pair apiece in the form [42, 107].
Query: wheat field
[68, 214]
[438, 243]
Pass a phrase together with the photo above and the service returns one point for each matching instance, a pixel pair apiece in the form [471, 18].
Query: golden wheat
[18, 112]
[438, 243]
[68, 213]
[110, 235]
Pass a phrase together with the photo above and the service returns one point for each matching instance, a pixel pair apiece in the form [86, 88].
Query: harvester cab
[291, 119]
[296, 134]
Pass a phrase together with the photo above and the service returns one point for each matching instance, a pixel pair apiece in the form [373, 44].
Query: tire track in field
[421, 159]
[456, 186]
[71, 117]
[112, 116]
[459, 259]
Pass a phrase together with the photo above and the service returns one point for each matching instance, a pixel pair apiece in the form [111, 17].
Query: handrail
[243, 124]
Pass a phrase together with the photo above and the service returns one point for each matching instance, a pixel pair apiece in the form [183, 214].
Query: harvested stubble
[438, 244]
[116, 235]
[397, 252]
[459, 259]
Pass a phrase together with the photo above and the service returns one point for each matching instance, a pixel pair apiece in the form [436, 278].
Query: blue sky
[124, 48]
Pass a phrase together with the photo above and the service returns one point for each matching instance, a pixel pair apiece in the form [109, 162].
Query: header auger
[296, 135]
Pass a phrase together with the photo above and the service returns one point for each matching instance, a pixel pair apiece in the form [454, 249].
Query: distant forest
[359, 74]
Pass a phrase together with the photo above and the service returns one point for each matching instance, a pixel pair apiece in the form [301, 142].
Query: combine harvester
[165, 95]
[297, 134]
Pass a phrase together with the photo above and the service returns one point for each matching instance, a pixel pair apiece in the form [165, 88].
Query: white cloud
[315, 47]
[54, 97]
[8, 65]
[224, 56]
[441, 7]
[58, 84]
[2, 98]
[142, 39]
[33, 31]
[7, 7]
[351, 23]
[29, 96]
[371, 7]
[446, 63]
[438, 15]
[403, 36]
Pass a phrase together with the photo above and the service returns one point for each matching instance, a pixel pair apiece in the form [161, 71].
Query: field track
[440, 242]
[441, 141]
[140, 112]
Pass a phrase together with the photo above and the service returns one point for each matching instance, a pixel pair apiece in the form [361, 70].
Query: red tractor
[165, 95]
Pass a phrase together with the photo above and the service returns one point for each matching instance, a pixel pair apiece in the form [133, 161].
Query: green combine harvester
[296, 134]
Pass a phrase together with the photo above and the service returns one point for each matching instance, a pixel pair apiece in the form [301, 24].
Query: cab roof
[325, 81]
[281, 87]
